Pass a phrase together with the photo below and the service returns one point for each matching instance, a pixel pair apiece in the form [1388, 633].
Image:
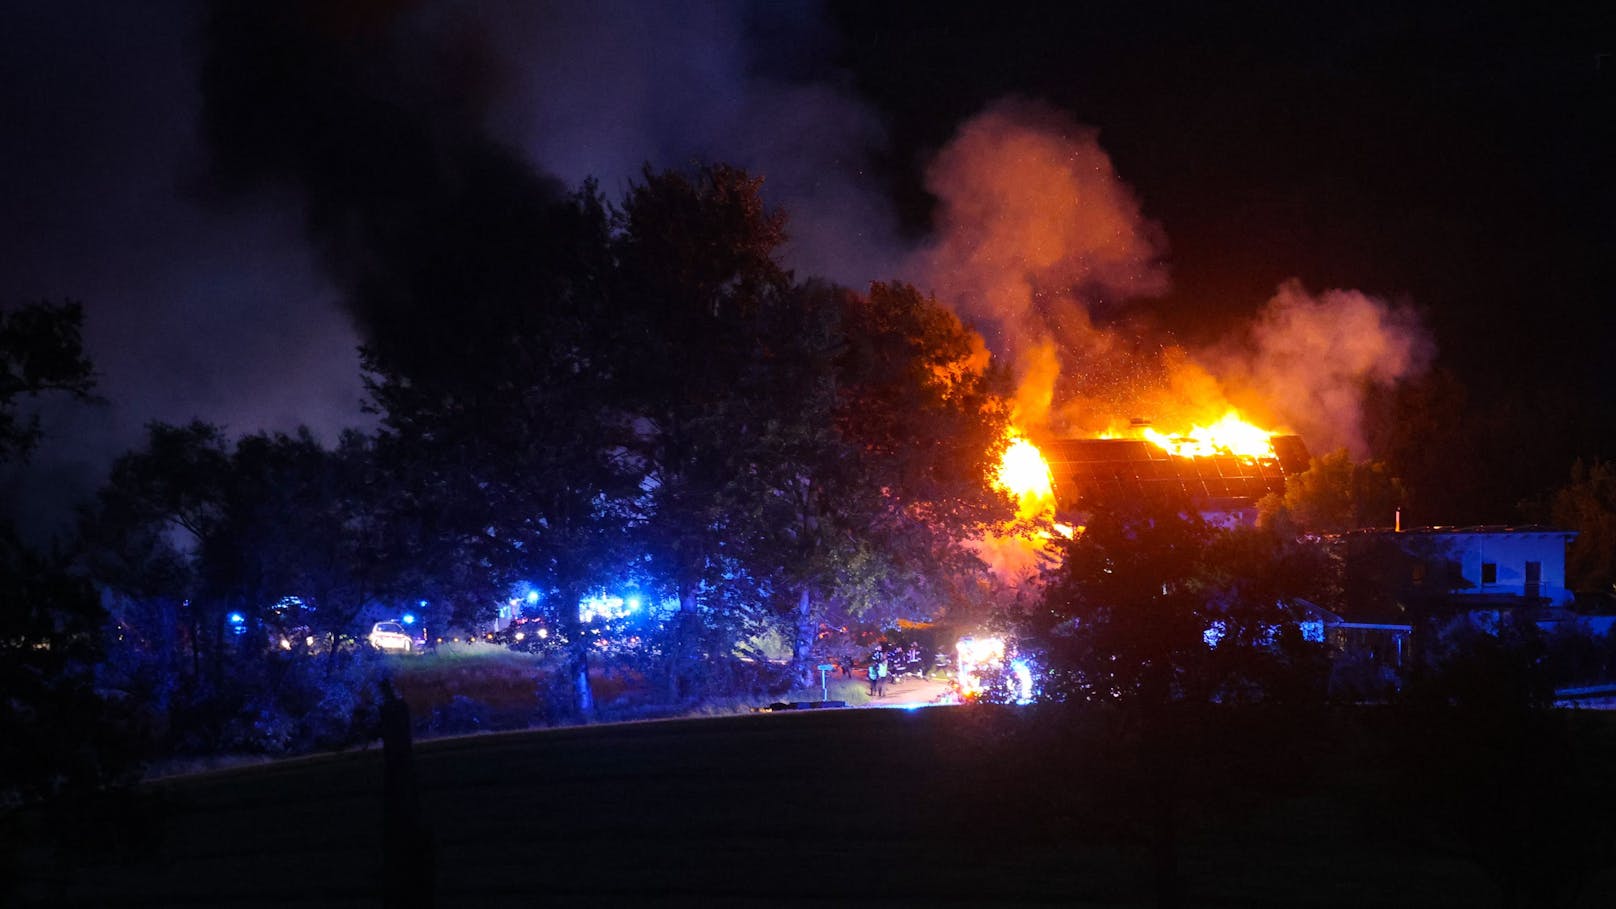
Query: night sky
[1460, 164]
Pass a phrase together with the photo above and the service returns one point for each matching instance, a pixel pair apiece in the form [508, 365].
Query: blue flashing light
[633, 603]
[422, 604]
[601, 606]
[532, 597]
[1023, 674]
[237, 618]
[409, 618]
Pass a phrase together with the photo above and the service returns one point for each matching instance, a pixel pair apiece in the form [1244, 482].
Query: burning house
[1224, 468]
[1220, 480]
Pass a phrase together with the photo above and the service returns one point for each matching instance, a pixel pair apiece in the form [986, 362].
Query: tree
[1587, 505]
[527, 481]
[1124, 620]
[873, 467]
[1125, 613]
[1156, 625]
[145, 532]
[1334, 495]
[520, 461]
[41, 351]
[216, 550]
[1423, 430]
[146, 540]
[1258, 580]
[697, 284]
[301, 525]
[55, 732]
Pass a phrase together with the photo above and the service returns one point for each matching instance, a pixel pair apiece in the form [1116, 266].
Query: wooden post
[409, 875]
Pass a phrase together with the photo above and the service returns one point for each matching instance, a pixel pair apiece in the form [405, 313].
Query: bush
[462, 715]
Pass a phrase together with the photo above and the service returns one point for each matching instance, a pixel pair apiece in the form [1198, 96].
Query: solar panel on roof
[1132, 467]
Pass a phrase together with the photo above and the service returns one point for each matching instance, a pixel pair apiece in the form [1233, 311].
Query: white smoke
[1309, 359]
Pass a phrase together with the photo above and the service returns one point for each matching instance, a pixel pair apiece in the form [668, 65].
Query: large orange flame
[1230, 435]
[1016, 553]
[1024, 473]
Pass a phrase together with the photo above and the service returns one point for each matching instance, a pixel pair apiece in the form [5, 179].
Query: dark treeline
[649, 404]
[578, 396]
[669, 412]
[658, 408]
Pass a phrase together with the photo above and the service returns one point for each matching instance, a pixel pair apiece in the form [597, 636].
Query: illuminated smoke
[1308, 360]
[1039, 241]
[1034, 229]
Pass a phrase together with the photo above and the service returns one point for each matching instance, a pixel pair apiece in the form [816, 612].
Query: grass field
[476, 687]
[854, 807]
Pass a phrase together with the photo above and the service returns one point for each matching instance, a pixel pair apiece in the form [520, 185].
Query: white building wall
[1509, 552]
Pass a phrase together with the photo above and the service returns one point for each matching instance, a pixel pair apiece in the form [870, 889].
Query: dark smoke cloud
[241, 193]
[191, 311]
[421, 136]
[437, 236]
[598, 89]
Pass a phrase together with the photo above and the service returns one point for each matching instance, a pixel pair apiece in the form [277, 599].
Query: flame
[1016, 553]
[1024, 473]
[977, 656]
[1230, 435]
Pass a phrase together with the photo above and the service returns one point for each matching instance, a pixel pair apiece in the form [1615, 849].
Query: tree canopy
[41, 352]
[1334, 495]
[1587, 504]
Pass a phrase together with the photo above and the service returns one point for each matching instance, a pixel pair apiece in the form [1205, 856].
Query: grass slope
[855, 807]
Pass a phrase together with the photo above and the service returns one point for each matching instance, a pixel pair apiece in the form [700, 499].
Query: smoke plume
[1035, 231]
[1039, 241]
[597, 89]
[1308, 360]
[423, 137]
[437, 235]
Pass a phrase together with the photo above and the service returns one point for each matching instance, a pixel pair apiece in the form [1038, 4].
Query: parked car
[529, 635]
[391, 637]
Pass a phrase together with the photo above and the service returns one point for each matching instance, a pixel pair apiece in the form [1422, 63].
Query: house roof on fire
[1134, 468]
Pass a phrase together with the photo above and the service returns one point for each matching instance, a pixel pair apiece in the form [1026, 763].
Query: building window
[1489, 572]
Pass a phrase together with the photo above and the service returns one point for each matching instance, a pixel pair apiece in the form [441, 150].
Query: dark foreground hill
[944, 806]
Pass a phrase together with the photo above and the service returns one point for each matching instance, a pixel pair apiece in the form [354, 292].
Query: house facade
[1473, 567]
